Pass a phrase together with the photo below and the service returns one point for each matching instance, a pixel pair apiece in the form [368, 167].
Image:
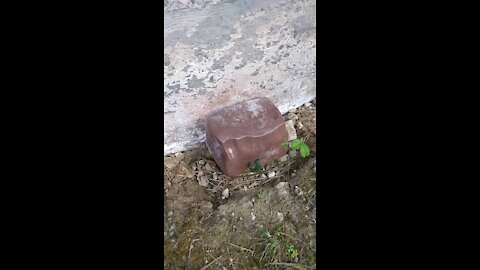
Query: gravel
[271, 174]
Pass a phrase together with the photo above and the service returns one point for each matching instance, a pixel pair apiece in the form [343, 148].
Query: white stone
[203, 181]
[171, 162]
[225, 194]
[292, 133]
[208, 167]
[280, 216]
[300, 125]
[271, 174]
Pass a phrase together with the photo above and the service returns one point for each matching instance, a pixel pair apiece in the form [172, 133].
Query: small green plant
[276, 247]
[273, 245]
[255, 165]
[298, 144]
[261, 194]
[292, 251]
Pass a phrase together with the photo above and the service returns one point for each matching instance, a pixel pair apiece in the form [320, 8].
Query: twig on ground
[294, 265]
[190, 249]
[242, 248]
[206, 266]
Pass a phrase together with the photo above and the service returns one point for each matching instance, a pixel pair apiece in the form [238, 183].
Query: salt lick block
[246, 131]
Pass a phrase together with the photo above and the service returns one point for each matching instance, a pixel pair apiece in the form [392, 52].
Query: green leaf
[296, 144]
[264, 232]
[255, 166]
[304, 150]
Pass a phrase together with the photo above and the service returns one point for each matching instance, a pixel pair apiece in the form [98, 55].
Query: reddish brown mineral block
[246, 131]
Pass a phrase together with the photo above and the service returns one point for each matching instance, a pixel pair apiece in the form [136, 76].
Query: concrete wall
[220, 52]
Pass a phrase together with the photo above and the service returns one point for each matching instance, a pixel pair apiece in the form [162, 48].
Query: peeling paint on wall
[221, 52]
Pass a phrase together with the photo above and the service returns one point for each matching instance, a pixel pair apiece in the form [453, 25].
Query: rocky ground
[262, 220]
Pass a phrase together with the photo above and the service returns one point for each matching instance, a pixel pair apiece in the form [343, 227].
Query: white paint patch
[271, 153]
[254, 108]
[230, 151]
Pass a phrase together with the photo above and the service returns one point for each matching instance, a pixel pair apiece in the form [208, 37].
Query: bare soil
[266, 222]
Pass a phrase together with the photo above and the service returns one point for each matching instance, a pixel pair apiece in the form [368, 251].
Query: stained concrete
[219, 52]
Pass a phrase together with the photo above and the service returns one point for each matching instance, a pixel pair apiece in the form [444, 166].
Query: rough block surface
[243, 132]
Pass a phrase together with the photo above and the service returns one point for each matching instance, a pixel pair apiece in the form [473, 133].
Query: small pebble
[297, 191]
[203, 181]
[253, 216]
[284, 158]
[300, 125]
[215, 177]
[308, 104]
[225, 194]
[263, 176]
[253, 200]
[292, 153]
[208, 167]
[250, 204]
[280, 216]
[293, 174]
[271, 174]
[201, 162]
[170, 213]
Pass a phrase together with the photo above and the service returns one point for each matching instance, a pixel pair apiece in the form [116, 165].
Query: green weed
[298, 144]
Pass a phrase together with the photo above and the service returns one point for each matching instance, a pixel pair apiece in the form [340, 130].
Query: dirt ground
[265, 220]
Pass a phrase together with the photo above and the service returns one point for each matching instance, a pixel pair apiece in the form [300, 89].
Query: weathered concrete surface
[220, 52]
